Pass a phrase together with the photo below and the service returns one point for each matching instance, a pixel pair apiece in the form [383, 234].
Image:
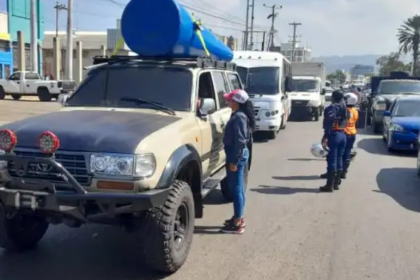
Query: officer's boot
[337, 180]
[331, 176]
[346, 168]
[324, 175]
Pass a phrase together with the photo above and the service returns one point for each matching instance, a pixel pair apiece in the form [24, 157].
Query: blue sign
[3, 6]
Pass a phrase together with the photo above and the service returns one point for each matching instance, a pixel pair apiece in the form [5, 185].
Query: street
[367, 230]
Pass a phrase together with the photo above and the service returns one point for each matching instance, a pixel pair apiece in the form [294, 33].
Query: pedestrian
[335, 122]
[237, 138]
[350, 130]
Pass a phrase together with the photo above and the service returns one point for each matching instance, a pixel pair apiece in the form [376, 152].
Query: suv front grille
[256, 111]
[73, 162]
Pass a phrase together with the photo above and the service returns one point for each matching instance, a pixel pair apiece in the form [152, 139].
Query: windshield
[396, 87]
[409, 108]
[105, 86]
[305, 85]
[260, 80]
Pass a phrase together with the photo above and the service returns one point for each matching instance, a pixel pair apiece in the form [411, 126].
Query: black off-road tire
[16, 96]
[158, 228]
[44, 94]
[224, 186]
[13, 234]
[2, 93]
[272, 135]
[316, 114]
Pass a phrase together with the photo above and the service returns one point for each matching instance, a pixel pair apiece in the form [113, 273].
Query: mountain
[346, 62]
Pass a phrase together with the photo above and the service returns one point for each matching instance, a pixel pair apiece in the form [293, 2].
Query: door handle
[27, 85]
[17, 82]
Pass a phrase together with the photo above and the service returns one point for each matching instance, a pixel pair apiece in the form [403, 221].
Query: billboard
[3, 6]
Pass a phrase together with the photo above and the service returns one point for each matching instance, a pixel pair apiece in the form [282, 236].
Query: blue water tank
[163, 28]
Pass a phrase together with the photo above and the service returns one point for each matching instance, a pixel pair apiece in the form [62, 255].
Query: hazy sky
[329, 27]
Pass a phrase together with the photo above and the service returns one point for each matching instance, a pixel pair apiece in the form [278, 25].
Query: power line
[273, 15]
[295, 25]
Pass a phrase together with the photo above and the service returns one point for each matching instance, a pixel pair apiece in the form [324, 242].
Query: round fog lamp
[8, 140]
[267, 114]
[48, 142]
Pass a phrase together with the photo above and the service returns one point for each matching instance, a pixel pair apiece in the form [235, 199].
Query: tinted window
[396, 87]
[407, 108]
[15, 77]
[105, 86]
[221, 87]
[234, 81]
[305, 85]
[31, 76]
[260, 80]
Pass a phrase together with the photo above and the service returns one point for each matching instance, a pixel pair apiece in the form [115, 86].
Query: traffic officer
[350, 130]
[335, 121]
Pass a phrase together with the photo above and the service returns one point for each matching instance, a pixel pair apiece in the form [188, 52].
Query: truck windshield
[105, 86]
[305, 85]
[260, 80]
[398, 87]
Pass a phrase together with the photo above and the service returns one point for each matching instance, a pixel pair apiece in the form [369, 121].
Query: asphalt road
[367, 230]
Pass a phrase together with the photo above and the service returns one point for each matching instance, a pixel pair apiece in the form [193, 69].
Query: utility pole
[69, 52]
[58, 8]
[252, 26]
[295, 25]
[273, 17]
[246, 26]
[34, 37]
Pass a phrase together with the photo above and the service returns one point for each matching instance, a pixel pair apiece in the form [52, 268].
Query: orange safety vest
[351, 122]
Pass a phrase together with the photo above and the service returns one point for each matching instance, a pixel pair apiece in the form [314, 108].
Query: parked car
[401, 124]
[25, 83]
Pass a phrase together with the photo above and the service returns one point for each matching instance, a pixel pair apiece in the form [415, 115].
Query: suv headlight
[142, 165]
[397, 127]
[380, 106]
[3, 164]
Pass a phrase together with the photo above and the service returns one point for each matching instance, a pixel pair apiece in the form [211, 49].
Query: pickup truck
[27, 83]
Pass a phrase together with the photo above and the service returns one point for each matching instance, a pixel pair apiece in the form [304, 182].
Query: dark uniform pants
[349, 146]
[336, 144]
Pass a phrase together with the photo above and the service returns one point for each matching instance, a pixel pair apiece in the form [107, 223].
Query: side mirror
[208, 106]
[62, 99]
[323, 91]
[387, 114]
[288, 84]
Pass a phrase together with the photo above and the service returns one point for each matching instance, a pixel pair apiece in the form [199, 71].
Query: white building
[302, 54]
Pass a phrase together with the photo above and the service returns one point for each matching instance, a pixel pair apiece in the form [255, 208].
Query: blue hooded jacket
[236, 137]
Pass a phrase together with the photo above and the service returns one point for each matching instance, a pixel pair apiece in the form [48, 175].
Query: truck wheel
[272, 135]
[376, 127]
[283, 122]
[224, 186]
[16, 96]
[316, 115]
[44, 94]
[168, 230]
[21, 231]
[2, 93]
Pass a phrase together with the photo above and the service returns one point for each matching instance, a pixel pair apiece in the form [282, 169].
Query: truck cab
[265, 76]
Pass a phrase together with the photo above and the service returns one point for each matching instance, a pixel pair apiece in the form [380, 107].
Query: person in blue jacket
[335, 122]
[238, 133]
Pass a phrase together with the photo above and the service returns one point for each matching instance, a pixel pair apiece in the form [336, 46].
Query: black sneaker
[230, 221]
[233, 229]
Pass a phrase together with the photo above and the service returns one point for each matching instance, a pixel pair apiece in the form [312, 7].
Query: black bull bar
[38, 194]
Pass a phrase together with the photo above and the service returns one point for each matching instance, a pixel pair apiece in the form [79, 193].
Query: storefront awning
[5, 36]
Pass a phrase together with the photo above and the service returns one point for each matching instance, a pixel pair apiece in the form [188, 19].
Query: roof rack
[201, 62]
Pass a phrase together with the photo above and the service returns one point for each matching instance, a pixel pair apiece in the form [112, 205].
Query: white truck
[308, 94]
[26, 83]
[266, 77]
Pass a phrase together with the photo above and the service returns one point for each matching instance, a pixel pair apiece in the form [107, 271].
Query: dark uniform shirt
[334, 118]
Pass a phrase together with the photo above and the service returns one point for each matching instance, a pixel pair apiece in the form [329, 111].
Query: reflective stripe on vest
[352, 121]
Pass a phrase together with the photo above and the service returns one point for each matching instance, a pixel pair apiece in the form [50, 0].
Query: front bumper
[403, 141]
[75, 202]
[268, 125]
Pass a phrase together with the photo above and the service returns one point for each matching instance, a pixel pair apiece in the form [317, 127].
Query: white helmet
[351, 98]
[318, 150]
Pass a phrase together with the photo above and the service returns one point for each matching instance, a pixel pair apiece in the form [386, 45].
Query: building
[302, 54]
[6, 54]
[19, 20]
[362, 70]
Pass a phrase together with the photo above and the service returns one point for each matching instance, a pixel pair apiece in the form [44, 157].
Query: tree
[338, 75]
[389, 63]
[409, 40]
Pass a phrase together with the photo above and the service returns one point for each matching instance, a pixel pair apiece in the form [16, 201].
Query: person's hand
[233, 167]
[324, 143]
